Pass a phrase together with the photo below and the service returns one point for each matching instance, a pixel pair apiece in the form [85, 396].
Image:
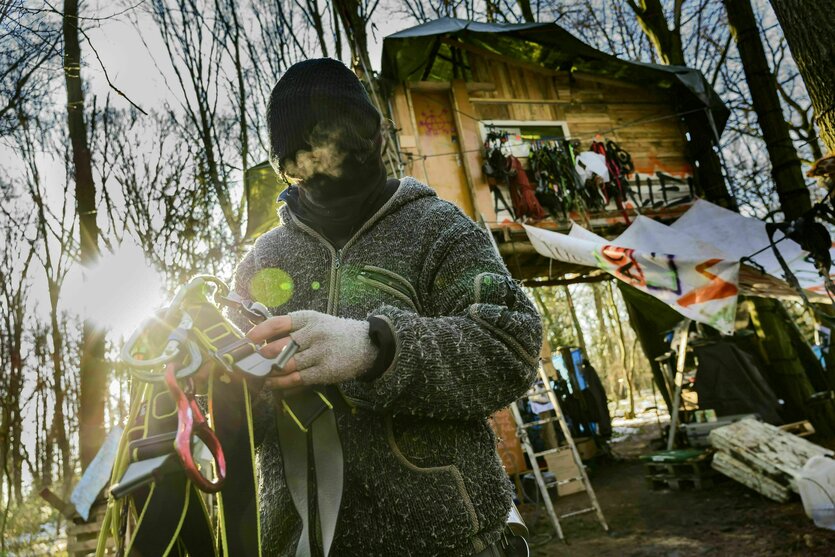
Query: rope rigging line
[413, 157]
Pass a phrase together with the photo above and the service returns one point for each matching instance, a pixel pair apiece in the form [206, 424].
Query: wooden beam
[503, 100]
[583, 279]
[469, 139]
[472, 86]
[585, 76]
[516, 248]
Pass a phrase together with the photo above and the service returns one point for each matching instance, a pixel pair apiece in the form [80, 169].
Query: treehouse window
[522, 134]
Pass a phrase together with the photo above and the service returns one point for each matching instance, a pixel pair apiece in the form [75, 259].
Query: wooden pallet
[82, 538]
[679, 483]
[685, 469]
[801, 429]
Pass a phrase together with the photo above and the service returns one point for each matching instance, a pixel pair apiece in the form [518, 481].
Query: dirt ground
[725, 519]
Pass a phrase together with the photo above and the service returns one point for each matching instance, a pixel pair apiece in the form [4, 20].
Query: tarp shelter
[420, 54]
[694, 268]
[693, 265]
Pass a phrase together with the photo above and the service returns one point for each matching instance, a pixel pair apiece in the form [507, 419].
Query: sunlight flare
[118, 292]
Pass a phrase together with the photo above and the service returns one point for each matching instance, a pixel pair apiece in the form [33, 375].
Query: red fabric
[522, 193]
[614, 178]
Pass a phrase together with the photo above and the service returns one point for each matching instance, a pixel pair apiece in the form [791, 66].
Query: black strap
[238, 500]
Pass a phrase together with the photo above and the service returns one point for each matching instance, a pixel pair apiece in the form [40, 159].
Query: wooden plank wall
[429, 142]
[642, 120]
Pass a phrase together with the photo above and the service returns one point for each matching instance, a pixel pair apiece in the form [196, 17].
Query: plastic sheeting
[411, 55]
[693, 265]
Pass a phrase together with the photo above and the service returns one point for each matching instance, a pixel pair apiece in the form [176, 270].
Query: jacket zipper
[337, 261]
[336, 254]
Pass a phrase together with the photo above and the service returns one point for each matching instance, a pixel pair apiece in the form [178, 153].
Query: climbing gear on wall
[161, 482]
[494, 167]
[559, 186]
[619, 164]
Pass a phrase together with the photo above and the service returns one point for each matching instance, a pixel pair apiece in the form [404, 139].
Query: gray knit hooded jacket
[422, 476]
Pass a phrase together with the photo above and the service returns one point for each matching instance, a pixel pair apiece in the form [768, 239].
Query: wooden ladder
[521, 431]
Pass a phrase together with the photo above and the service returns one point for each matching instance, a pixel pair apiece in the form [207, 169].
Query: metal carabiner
[147, 370]
[190, 421]
[170, 352]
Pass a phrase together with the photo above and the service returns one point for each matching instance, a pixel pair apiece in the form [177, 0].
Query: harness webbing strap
[156, 498]
[327, 454]
[173, 509]
[293, 444]
[305, 430]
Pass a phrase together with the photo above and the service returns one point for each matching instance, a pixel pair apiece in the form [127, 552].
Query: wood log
[769, 450]
[750, 477]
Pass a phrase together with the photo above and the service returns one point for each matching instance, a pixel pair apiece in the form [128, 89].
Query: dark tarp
[729, 381]
[413, 55]
[780, 352]
[791, 368]
[651, 318]
[596, 401]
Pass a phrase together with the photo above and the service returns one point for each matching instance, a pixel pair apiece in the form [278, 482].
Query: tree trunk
[621, 339]
[59, 425]
[527, 12]
[581, 339]
[785, 165]
[351, 17]
[93, 374]
[604, 336]
[809, 28]
[653, 20]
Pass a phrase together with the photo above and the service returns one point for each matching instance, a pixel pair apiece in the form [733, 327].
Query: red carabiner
[190, 421]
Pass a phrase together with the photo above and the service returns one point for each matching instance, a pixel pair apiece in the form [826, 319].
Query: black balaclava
[325, 132]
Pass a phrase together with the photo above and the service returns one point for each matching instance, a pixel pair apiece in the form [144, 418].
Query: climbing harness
[184, 481]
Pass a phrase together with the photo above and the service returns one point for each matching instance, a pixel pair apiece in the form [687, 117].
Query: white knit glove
[331, 349]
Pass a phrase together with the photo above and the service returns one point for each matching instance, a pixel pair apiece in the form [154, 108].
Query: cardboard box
[586, 447]
[562, 465]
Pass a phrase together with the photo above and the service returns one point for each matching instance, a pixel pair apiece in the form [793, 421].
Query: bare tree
[354, 15]
[808, 28]
[666, 38]
[196, 55]
[29, 46]
[160, 205]
[17, 255]
[92, 372]
[762, 85]
[55, 236]
[628, 371]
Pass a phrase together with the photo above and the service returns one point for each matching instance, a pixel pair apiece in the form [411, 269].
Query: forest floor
[725, 519]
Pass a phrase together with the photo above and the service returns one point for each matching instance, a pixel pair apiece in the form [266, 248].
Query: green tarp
[262, 190]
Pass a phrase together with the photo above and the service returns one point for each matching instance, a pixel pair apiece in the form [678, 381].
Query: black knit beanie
[320, 96]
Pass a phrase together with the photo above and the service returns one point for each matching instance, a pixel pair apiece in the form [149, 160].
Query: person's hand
[331, 349]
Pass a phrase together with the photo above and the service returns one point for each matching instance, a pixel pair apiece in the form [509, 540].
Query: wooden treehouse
[450, 83]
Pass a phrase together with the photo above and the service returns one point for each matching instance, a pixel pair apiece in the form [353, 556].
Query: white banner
[696, 280]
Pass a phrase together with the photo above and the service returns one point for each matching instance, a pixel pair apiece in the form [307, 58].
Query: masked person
[399, 301]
